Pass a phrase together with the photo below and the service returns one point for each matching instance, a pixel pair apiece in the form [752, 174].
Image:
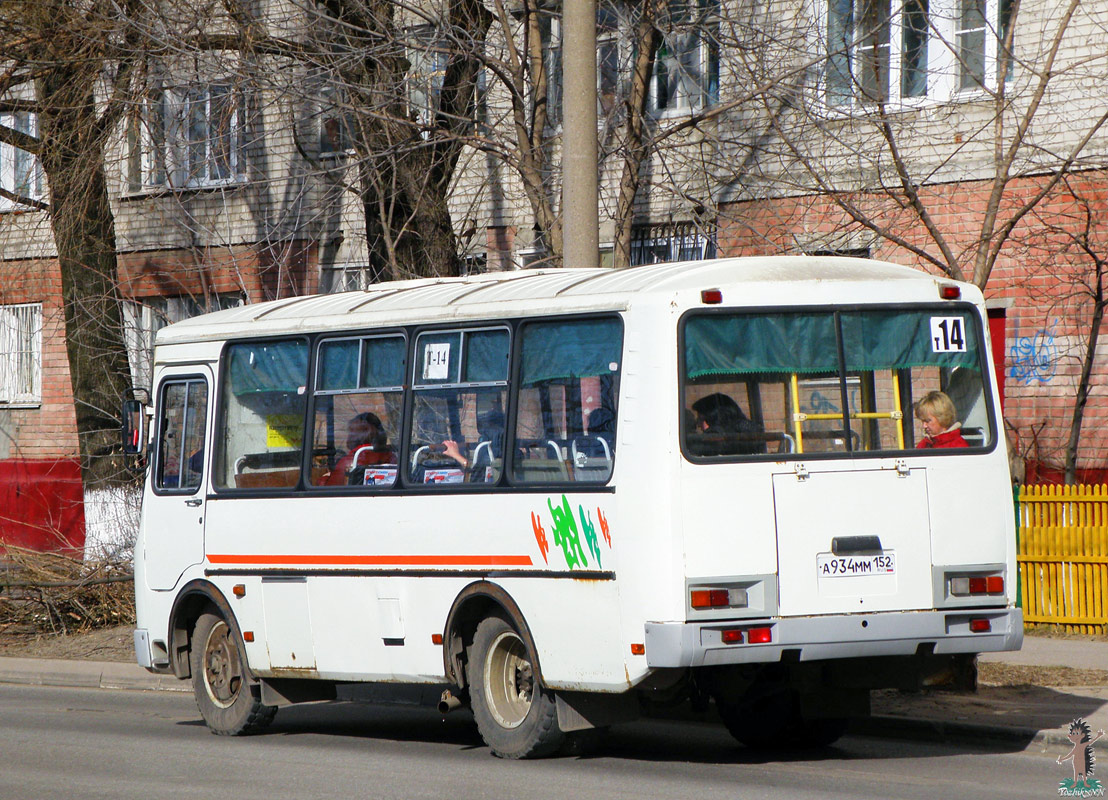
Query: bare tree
[1065, 245]
[68, 64]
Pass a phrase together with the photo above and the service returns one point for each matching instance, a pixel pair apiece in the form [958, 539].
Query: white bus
[557, 496]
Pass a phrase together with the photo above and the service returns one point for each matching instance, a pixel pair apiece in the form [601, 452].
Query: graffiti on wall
[1034, 358]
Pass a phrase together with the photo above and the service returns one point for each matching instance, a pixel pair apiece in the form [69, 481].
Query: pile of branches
[55, 594]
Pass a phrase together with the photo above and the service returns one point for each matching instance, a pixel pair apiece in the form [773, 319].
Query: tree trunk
[1083, 384]
[84, 235]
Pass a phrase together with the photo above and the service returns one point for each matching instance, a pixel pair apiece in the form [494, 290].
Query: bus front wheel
[517, 718]
[223, 694]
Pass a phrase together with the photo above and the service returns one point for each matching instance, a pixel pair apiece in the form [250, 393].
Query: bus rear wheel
[223, 694]
[517, 718]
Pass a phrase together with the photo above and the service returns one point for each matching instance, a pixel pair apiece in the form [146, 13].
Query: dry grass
[50, 593]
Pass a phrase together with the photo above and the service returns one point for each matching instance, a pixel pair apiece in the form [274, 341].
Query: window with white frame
[427, 71]
[20, 173]
[188, 137]
[673, 241]
[894, 51]
[686, 66]
[20, 354]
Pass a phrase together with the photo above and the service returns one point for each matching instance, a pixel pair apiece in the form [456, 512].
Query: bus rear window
[262, 404]
[830, 382]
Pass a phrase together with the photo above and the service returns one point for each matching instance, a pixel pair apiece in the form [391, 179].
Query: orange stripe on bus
[407, 561]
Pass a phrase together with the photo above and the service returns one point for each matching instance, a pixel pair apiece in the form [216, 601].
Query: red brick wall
[259, 273]
[48, 431]
[1042, 276]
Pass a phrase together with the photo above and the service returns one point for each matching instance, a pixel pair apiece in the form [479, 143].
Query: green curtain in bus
[877, 340]
[803, 343]
[487, 356]
[734, 344]
[383, 363]
[560, 350]
[338, 365]
[269, 367]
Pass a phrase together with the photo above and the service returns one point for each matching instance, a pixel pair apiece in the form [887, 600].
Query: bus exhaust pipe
[448, 702]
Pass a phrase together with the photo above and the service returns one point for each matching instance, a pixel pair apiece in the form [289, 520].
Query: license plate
[832, 566]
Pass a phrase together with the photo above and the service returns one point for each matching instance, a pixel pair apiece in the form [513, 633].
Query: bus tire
[516, 717]
[223, 693]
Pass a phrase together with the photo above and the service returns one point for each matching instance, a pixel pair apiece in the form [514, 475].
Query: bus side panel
[298, 554]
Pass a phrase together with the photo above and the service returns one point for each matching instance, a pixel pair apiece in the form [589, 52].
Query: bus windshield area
[831, 381]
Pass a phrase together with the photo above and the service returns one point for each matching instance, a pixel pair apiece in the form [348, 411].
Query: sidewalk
[1025, 714]
[1017, 715]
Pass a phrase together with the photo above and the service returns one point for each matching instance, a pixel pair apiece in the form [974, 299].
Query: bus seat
[591, 457]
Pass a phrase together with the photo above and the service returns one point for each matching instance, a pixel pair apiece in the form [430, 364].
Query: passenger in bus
[941, 427]
[366, 439]
[490, 432]
[721, 428]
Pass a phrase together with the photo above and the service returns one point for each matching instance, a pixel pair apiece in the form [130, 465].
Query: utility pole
[580, 192]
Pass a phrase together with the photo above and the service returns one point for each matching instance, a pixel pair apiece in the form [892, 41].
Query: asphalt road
[76, 744]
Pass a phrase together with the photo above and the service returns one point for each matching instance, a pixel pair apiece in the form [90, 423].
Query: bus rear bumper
[901, 633]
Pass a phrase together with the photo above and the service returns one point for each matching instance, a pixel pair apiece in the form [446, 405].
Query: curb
[941, 732]
[86, 675]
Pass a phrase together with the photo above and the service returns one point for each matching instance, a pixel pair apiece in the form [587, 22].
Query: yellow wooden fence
[1063, 556]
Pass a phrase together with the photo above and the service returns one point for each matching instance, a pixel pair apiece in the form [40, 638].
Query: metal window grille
[678, 241]
[21, 353]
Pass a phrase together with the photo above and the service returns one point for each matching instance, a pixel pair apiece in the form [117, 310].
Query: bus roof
[525, 292]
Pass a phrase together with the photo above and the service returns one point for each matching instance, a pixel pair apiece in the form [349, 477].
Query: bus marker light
[248, 636]
[711, 297]
[638, 649]
[731, 636]
[759, 635]
[949, 292]
[700, 598]
[980, 626]
[239, 589]
[436, 638]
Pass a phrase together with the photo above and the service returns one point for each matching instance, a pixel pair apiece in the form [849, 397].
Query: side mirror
[134, 427]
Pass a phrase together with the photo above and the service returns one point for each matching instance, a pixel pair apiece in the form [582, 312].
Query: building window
[143, 319]
[344, 278]
[336, 124]
[884, 52]
[21, 354]
[679, 241]
[20, 173]
[188, 137]
[426, 74]
[686, 67]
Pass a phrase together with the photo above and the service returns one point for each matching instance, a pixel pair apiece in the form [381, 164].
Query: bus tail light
[731, 636]
[759, 635]
[980, 626]
[975, 585]
[718, 598]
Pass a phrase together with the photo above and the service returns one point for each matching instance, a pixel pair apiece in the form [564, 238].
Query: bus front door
[173, 508]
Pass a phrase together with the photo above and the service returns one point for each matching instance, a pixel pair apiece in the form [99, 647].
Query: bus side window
[359, 397]
[262, 406]
[460, 387]
[566, 420]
